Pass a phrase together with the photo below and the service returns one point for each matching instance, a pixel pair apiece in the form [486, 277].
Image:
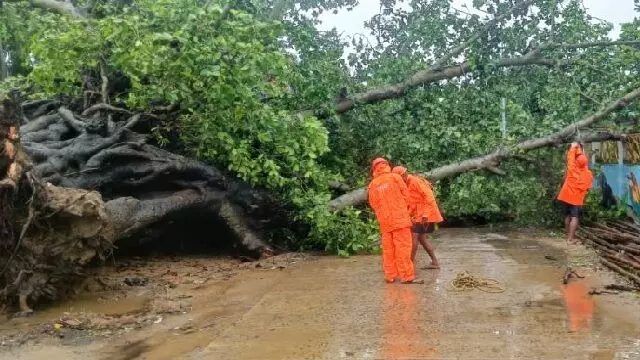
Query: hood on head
[400, 170]
[380, 166]
[582, 161]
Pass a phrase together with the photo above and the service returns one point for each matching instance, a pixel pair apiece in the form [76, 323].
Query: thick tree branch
[590, 45]
[489, 160]
[496, 170]
[105, 107]
[104, 86]
[425, 77]
[62, 7]
[603, 136]
[339, 186]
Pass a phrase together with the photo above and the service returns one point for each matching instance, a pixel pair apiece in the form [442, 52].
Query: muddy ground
[299, 306]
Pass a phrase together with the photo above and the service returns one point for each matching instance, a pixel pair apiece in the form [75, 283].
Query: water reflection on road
[579, 306]
[402, 337]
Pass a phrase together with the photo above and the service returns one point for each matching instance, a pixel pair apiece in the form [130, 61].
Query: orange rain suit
[387, 193]
[578, 178]
[420, 199]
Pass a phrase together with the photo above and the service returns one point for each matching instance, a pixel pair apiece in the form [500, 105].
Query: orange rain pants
[396, 255]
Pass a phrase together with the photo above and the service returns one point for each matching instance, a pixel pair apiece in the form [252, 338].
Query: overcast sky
[352, 22]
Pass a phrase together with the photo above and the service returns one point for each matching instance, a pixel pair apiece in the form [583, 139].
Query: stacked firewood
[618, 243]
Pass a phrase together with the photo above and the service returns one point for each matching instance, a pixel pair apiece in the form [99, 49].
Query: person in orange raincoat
[424, 211]
[578, 179]
[387, 193]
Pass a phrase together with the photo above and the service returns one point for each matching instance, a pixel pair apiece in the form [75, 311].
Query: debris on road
[71, 323]
[464, 281]
[621, 287]
[569, 274]
[618, 245]
[492, 236]
[595, 291]
[134, 281]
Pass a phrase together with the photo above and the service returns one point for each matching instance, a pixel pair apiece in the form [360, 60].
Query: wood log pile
[618, 244]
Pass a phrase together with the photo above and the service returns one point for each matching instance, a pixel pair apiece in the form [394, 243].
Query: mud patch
[112, 306]
[129, 351]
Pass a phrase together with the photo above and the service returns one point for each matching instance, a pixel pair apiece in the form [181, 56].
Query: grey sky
[352, 22]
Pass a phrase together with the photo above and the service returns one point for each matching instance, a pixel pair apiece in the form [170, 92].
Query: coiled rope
[464, 281]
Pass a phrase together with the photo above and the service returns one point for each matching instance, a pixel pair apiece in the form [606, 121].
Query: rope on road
[464, 281]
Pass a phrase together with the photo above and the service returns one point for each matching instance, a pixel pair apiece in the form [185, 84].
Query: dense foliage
[248, 79]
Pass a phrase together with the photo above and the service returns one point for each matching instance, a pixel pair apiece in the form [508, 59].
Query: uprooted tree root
[91, 181]
[60, 233]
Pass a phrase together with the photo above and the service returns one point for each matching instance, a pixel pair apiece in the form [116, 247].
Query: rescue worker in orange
[578, 179]
[387, 193]
[424, 212]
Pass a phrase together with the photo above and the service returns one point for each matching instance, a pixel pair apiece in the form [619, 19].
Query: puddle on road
[403, 332]
[579, 306]
[108, 304]
[536, 316]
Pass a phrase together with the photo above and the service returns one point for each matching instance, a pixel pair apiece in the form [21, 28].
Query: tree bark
[633, 277]
[482, 162]
[141, 183]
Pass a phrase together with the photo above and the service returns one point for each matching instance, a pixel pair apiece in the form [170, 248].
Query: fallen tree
[438, 72]
[207, 64]
[492, 160]
[140, 182]
[550, 54]
[88, 186]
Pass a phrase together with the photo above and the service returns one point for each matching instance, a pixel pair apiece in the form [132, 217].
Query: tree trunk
[4, 63]
[92, 187]
[491, 160]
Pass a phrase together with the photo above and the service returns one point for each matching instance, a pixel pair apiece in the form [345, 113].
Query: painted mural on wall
[619, 183]
[620, 170]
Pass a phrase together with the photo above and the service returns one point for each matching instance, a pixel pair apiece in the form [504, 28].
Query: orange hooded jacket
[422, 201]
[578, 178]
[387, 194]
[420, 198]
